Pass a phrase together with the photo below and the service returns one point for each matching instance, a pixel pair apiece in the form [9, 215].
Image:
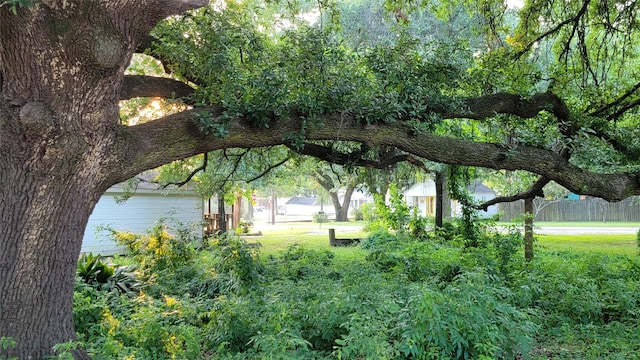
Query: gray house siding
[137, 214]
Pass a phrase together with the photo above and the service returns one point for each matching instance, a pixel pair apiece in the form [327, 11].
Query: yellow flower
[153, 242]
[111, 322]
[170, 301]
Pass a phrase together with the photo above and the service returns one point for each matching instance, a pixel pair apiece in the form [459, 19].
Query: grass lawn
[609, 243]
[314, 236]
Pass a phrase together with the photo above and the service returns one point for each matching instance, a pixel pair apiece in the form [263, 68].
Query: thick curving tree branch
[619, 101]
[626, 107]
[177, 136]
[504, 103]
[191, 175]
[268, 169]
[135, 86]
[324, 180]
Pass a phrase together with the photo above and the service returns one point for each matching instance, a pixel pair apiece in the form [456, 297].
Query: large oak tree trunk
[55, 160]
[52, 174]
[42, 228]
[61, 68]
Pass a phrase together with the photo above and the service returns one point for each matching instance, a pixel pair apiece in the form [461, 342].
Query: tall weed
[471, 318]
[159, 249]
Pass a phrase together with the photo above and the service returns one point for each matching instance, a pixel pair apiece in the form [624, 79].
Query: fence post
[332, 237]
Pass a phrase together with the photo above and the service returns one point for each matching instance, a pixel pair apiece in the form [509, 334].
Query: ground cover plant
[392, 297]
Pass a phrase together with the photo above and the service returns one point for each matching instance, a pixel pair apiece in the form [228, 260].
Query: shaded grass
[623, 244]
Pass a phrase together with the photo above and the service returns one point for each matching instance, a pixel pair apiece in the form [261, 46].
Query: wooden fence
[575, 210]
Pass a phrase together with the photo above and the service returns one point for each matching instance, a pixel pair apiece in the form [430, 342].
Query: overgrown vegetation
[403, 297]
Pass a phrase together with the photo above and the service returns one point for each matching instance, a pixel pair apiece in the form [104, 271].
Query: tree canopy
[555, 97]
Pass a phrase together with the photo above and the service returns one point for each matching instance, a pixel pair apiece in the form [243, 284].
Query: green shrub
[357, 214]
[575, 288]
[505, 247]
[378, 240]
[89, 304]
[93, 271]
[369, 214]
[231, 322]
[561, 291]
[104, 277]
[244, 226]
[159, 249]
[298, 262]
[320, 217]
[284, 345]
[408, 299]
[372, 331]
[159, 328]
[235, 263]
[471, 318]
[418, 226]
[7, 343]
[385, 261]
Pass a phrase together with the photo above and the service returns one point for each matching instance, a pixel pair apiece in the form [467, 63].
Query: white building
[138, 214]
[423, 197]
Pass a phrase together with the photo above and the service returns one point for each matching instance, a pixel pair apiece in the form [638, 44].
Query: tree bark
[222, 214]
[61, 65]
[440, 190]
[342, 210]
[528, 228]
[40, 239]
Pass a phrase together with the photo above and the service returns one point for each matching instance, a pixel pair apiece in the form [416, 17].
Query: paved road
[262, 223]
[315, 228]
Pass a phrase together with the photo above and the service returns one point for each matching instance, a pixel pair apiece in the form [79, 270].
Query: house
[306, 206]
[423, 196]
[479, 193]
[359, 198]
[137, 214]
